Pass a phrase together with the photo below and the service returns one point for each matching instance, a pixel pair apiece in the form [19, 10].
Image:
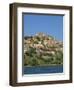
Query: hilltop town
[42, 50]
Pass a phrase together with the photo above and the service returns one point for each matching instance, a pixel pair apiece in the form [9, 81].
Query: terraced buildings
[42, 49]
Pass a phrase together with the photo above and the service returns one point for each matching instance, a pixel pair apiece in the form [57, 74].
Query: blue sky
[48, 24]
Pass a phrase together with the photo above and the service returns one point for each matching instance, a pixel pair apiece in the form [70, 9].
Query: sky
[47, 24]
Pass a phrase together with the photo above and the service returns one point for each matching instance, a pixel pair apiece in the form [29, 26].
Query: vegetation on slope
[42, 50]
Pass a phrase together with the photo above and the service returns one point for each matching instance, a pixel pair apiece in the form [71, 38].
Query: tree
[59, 57]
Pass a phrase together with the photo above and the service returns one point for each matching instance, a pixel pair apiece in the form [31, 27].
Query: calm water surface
[43, 69]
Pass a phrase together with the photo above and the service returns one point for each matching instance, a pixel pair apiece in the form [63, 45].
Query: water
[43, 69]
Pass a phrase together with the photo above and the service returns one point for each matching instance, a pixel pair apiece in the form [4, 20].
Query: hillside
[42, 50]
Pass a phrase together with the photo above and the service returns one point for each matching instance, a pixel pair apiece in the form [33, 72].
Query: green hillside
[42, 50]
